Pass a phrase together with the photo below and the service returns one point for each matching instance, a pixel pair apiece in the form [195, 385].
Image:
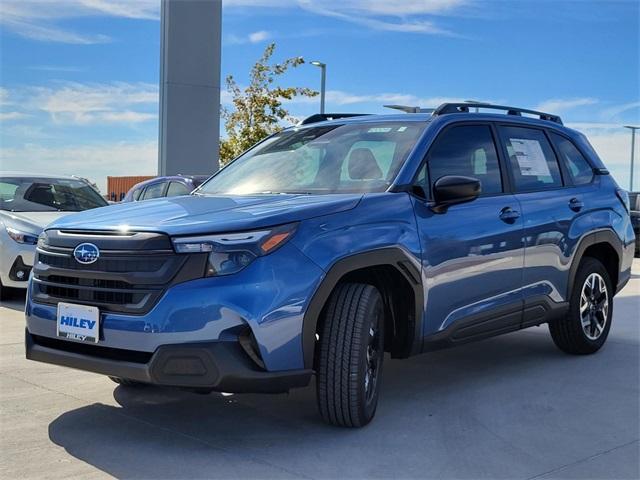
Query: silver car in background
[28, 203]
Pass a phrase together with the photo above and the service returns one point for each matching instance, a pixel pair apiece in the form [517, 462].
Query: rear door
[553, 211]
[472, 253]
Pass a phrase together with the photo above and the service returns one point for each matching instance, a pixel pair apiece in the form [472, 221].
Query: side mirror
[452, 189]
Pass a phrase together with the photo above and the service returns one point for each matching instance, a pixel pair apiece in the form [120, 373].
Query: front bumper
[268, 297]
[219, 366]
[13, 257]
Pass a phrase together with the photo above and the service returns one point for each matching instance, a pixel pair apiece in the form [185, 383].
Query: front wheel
[351, 355]
[586, 326]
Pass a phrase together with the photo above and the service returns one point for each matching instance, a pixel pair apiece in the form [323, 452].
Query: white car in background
[28, 203]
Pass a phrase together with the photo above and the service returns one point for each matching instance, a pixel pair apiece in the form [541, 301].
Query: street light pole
[633, 147]
[323, 67]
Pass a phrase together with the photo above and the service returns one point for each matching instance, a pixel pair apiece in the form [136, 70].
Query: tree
[257, 110]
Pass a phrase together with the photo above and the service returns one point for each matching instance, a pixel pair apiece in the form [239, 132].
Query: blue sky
[79, 79]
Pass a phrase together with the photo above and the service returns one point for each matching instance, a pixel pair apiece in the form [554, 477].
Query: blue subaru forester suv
[330, 243]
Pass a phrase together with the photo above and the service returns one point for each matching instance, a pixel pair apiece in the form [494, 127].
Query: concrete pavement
[509, 407]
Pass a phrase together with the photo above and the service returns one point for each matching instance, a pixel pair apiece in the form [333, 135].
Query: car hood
[198, 214]
[30, 222]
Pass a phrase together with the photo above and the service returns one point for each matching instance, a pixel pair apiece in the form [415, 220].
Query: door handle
[576, 204]
[509, 215]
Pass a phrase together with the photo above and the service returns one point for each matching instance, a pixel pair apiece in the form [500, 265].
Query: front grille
[103, 264]
[130, 276]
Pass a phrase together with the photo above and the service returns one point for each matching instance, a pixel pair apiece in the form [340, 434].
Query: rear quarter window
[580, 171]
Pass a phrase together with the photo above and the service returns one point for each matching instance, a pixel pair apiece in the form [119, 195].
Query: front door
[473, 253]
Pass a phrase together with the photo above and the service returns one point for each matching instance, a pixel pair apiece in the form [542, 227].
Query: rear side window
[176, 189]
[136, 194]
[153, 191]
[579, 169]
[468, 151]
[532, 160]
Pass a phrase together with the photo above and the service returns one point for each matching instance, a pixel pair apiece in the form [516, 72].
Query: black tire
[126, 382]
[351, 346]
[3, 292]
[568, 333]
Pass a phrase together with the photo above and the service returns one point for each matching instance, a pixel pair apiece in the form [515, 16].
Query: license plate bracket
[78, 322]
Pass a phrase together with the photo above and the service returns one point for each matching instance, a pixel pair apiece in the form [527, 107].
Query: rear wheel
[126, 382]
[351, 355]
[586, 326]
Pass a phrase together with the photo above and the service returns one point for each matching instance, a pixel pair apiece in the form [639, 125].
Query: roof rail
[407, 109]
[321, 117]
[446, 108]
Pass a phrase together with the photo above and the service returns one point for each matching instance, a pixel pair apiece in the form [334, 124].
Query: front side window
[342, 158]
[469, 151]
[32, 194]
[136, 194]
[532, 160]
[155, 190]
[176, 189]
[579, 169]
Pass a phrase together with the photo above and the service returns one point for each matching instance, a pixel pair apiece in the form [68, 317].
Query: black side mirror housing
[452, 189]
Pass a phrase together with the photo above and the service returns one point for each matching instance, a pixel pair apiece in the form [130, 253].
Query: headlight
[231, 252]
[22, 237]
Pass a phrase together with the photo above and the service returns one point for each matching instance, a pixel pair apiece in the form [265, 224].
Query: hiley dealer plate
[78, 322]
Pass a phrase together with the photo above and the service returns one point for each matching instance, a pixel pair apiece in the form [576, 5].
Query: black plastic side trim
[600, 236]
[507, 318]
[503, 319]
[392, 256]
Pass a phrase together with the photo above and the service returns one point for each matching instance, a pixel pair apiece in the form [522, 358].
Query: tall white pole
[633, 148]
[323, 81]
[323, 87]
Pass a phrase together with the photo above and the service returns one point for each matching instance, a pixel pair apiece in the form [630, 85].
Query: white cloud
[398, 16]
[95, 161]
[385, 16]
[340, 98]
[614, 112]
[4, 96]
[57, 68]
[38, 19]
[254, 37]
[557, 105]
[80, 104]
[260, 36]
[73, 103]
[6, 116]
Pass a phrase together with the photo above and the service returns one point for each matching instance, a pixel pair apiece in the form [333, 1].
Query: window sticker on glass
[531, 159]
[379, 130]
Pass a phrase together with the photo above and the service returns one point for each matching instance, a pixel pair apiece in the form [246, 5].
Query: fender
[396, 257]
[600, 236]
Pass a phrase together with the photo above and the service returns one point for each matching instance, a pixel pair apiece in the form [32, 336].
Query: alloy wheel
[594, 306]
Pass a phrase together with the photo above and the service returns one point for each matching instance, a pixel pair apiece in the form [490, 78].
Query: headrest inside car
[363, 165]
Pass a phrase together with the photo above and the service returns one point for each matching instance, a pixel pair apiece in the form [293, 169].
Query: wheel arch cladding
[396, 275]
[604, 245]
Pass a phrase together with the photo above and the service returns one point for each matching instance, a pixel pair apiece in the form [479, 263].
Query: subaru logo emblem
[86, 253]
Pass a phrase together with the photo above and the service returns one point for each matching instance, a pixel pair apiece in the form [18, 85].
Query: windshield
[344, 158]
[31, 194]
